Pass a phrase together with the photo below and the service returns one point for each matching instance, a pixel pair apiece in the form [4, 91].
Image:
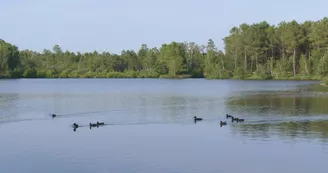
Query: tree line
[289, 50]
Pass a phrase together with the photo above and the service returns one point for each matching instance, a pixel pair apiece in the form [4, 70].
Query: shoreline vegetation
[135, 76]
[324, 82]
[258, 51]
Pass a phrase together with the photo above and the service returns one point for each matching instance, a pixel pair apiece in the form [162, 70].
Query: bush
[324, 81]
[148, 74]
[51, 74]
[41, 74]
[239, 73]
[30, 73]
[131, 74]
[64, 74]
[73, 74]
[15, 74]
[115, 75]
[175, 77]
[197, 73]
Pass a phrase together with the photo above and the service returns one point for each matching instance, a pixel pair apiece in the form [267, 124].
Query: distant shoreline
[257, 51]
[176, 77]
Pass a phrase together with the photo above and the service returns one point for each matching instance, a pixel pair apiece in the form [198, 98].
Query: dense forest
[290, 50]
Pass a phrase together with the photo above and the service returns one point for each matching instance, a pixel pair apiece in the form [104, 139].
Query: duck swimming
[53, 115]
[93, 125]
[223, 123]
[234, 119]
[240, 120]
[75, 125]
[197, 119]
[228, 116]
[102, 123]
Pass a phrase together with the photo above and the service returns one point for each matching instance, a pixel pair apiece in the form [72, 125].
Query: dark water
[150, 127]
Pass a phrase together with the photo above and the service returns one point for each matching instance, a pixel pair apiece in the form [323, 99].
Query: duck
[100, 123]
[197, 119]
[93, 125]
[234, 119]
[240, 120]
[228, 116]
[223, 123]
[75, 125]
[53, 115]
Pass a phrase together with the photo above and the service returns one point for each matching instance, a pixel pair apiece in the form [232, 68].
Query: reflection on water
[7, 100]
[287, 130]
[8, 105]
[145, 119]
[291, 105]
[287, 114]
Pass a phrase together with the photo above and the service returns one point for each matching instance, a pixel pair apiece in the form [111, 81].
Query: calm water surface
[150, 126]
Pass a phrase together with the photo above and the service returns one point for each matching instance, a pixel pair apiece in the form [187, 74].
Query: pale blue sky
[108, 25]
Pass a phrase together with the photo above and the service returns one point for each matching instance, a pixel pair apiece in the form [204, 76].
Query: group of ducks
[234, 119]
[222, 123]
[75, 125]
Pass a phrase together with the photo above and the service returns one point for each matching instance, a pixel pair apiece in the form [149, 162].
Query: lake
[149, 126]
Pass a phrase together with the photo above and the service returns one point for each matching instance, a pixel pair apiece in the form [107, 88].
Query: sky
[113, 26]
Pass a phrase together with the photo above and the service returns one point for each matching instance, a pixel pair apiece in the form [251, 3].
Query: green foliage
[64, 74]
[239, 73]
[304, 68]
[325, 81]
[290, 50]
[323, 66]
[30, 73]
[261, 73]
[16, 73]
[9, 58]
[50, 74]
[41, 74]
[148, 74]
